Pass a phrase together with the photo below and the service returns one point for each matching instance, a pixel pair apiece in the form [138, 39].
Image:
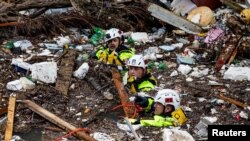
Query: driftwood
[40, 5]
[126, 15]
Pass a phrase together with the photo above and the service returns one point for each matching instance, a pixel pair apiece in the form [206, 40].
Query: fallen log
[56, 120]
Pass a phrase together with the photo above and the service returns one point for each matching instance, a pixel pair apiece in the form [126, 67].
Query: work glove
[141, 101]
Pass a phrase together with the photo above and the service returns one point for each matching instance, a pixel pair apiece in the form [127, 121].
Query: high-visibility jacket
[116, 57]
[178, 117]
[147, 83]
[158, 121]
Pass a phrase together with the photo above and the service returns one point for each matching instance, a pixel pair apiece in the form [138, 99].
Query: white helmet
[137, 61]
[168, 96]
[113, 33]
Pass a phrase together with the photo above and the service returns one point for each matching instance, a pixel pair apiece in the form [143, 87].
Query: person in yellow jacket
[166, 109]
[140, 79]
[115, 52]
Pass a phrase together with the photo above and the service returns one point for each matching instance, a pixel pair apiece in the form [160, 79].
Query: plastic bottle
[98, 35]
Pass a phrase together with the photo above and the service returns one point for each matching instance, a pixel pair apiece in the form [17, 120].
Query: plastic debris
[175, 134]
[102, 136]
[81, 71]
[45, 72]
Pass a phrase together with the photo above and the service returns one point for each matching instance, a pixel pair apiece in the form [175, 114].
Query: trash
[97, 36]
[201, 129]
[174, 19]
[176, 135]
[10, 44]
[189, 79]
[87, 47]
[23, 44]
[45, 72]
[182, 7]
[140, 37]
[157, 34]
[245, 15]
[243, 115]
[81, 71]
[51, 46]
[62, 41]
[125, 127]
[185, 59]
[108, 95]
[26, 83]
[171, 47]
[14, 85]
[174, 73]
[199, 73]
[20, 65]
[214, 34]
[102, 136]
[203, 16]
[184, 69]
[237, 73]
[162, 66]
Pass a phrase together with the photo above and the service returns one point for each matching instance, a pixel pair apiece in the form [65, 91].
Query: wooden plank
[11, 113]
[65, 71]
[57, 120]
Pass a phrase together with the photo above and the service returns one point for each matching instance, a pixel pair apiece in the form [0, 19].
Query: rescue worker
[165, 106]
[139, 77]
[115, 52]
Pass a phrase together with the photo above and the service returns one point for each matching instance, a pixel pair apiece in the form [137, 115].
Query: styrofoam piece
[237, 73]
[26, 83]
[82, 71]
[23, 44]
[45, 72]
[140, 37]
[184, 69]
[14, 85]
[102, 136]
[176, 135]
